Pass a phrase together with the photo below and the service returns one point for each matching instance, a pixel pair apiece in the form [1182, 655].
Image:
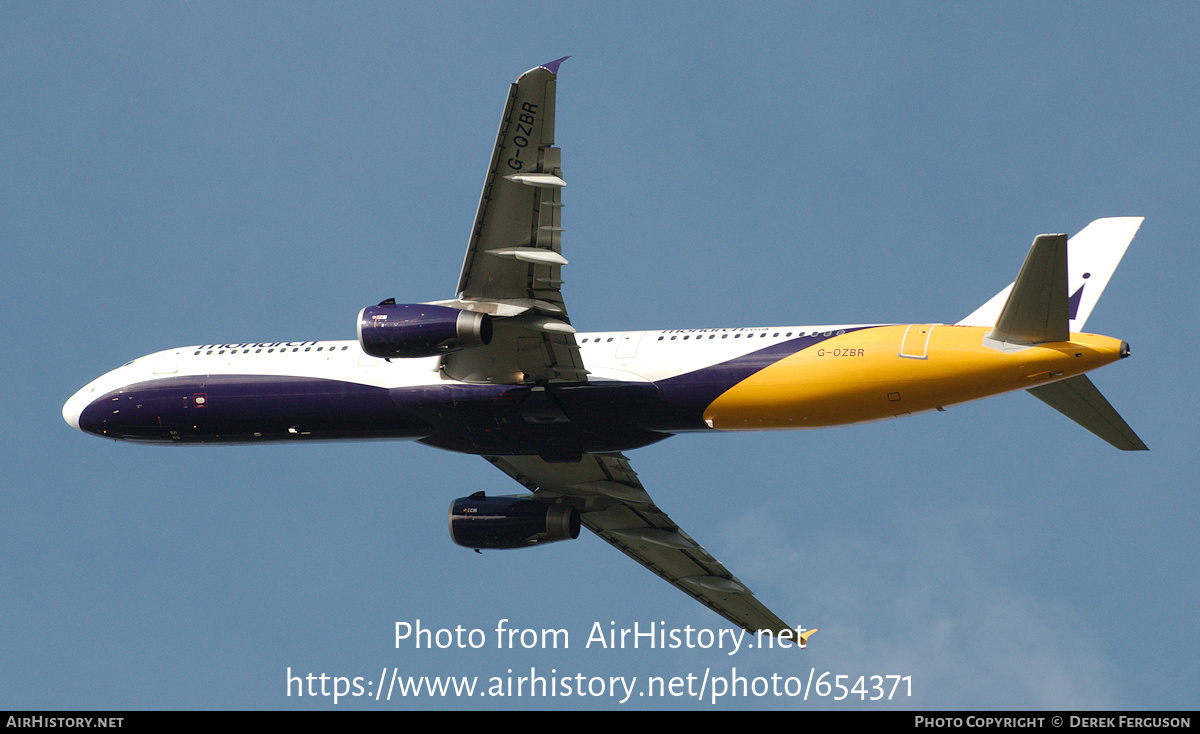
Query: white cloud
[927, 598]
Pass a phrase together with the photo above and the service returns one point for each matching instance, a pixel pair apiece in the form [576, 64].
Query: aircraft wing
[614, 505]
[513, 261]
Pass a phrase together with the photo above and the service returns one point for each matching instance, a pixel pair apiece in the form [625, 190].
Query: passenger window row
[269, 350]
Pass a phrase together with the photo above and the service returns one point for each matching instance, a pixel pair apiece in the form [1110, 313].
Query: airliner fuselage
[643, 387]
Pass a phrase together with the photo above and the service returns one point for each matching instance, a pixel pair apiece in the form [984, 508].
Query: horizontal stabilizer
[1078, 399]
[1037, 307]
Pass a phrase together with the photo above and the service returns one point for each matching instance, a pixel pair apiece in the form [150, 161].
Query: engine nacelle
[420, 330]
[510, 521]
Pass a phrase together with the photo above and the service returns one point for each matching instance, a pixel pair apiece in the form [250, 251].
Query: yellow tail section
[891, 371]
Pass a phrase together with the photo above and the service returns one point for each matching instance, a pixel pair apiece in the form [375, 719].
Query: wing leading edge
[615, 506]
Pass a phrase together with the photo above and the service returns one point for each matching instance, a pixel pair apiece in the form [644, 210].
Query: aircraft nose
[72, 408]
[75, 406]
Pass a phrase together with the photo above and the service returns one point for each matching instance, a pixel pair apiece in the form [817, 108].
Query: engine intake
[420, 330]
[510, 521]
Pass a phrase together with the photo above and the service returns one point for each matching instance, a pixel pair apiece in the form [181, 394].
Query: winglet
[552, 66]
[797, 635]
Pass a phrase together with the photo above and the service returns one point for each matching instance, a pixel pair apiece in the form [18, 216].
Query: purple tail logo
[1076, 297]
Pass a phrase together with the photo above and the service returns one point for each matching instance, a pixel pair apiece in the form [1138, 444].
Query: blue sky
[187, 173]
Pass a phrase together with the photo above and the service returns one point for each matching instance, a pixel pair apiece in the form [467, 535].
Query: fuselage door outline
[627, 345]
[915, 344]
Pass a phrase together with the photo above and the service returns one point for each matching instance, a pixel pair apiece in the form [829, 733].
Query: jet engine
[510, 521]
[420, 330]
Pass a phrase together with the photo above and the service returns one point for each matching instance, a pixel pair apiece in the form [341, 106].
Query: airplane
[498, 371]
